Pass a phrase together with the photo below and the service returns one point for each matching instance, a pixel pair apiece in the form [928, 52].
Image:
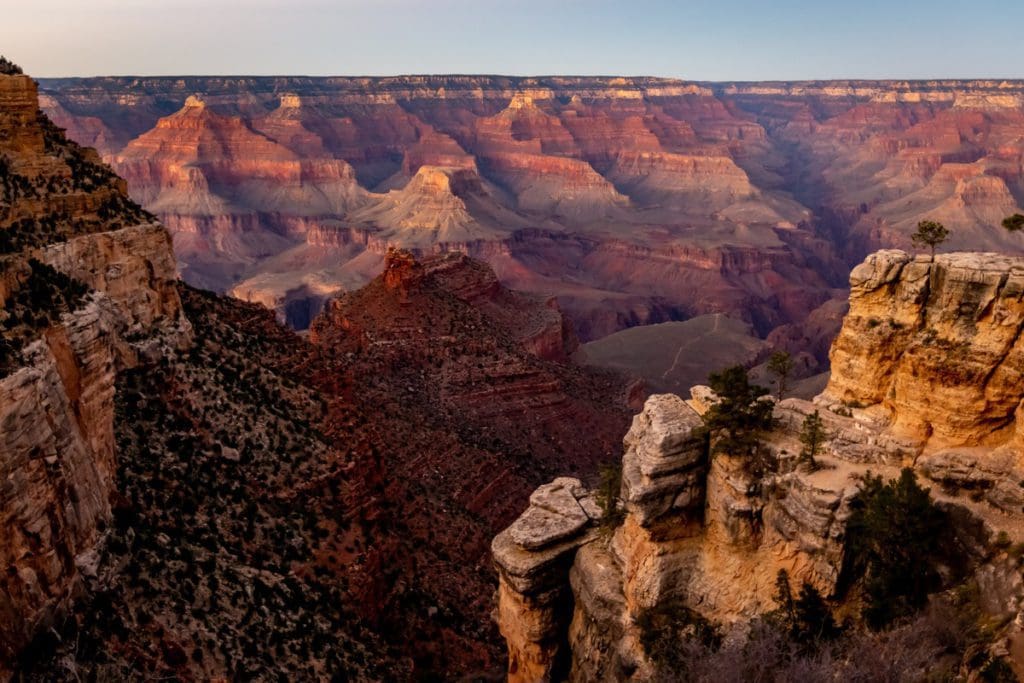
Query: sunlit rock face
[926, 373]
[935, 347]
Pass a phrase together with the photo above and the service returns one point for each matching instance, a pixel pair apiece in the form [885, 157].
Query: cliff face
[924, 374]
[709, 536]
[934, 346]
[67, 223]
[798, 180]
[932, 350]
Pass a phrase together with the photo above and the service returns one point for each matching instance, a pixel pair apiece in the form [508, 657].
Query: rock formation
[924, 374]
[529, 176]
[709, 536]
[65, 219]
[932, 350]
[153, 476]
[762, 194]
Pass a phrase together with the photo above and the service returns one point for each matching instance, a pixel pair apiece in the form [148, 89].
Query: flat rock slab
[554, 515]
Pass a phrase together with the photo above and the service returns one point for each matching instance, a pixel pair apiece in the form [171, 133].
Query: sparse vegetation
[735, 423]
[41, 297]
[931, 646]
[780, 365]
[895, 542]
[930, 234]
[222, 562]
[54, 214]
[812, 436]
[608, 495]
[9, 68]
[1014, 223]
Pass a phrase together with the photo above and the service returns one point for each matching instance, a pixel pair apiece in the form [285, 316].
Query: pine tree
[608, 493]
[812, 436]
[813, 620]
[736, 422]
[895, 543]
[784, 596]
[781, 365]
[930, 234]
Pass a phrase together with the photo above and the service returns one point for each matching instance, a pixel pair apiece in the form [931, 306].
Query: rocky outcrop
[57, 451]
[59, 463]
[933, 352]
[533, 556]
[711, 536]
[934, 348]
[925, 374]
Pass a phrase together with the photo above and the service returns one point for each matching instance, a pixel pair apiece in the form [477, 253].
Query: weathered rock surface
[57, 465]
[57, 457]
[712, 537]
[926, 373]
[533, 556]
[934, 349]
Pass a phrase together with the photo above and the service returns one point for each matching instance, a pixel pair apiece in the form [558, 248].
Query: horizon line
[677, 79]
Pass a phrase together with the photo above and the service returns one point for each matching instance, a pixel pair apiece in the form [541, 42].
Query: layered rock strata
[933, 351]
[925, 374]
[709, 536]
[57, 454]
[934, 346]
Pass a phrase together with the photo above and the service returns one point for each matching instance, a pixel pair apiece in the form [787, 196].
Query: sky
[691, 39]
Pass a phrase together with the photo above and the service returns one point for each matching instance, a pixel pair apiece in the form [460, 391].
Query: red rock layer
[841, 167]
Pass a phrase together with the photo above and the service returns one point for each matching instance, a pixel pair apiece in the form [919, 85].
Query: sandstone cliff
[924, 374]
[932, 351]
[709, 536]
[66, 217]
[933, 346]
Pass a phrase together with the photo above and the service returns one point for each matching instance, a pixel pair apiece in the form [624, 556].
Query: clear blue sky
[693, 39]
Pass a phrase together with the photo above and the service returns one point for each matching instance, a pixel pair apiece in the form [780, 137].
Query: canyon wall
[924, 375]
[57, 454]
[757, 196]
